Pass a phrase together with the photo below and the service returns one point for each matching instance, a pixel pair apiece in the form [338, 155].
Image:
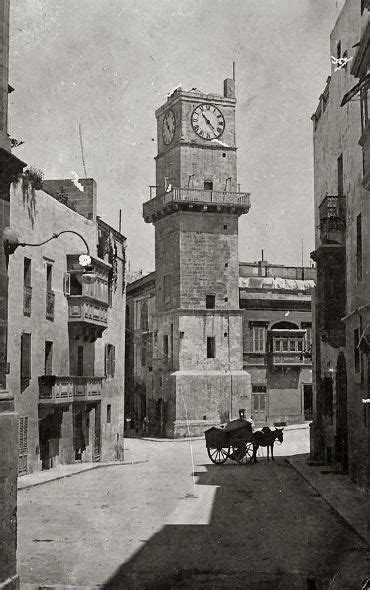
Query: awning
[355, 90]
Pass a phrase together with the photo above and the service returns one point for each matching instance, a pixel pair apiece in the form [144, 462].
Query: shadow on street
[267, 529]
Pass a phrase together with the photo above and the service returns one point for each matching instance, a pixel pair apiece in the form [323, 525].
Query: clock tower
[197, 378]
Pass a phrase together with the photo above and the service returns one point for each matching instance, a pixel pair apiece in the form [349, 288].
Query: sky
[107, 65]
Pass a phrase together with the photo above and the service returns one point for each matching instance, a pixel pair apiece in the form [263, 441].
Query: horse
[266, 438]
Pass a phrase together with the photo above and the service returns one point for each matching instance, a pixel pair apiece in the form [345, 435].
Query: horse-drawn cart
[232, 441]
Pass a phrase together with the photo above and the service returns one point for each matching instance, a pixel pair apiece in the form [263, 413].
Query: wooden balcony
[84, 310]
[291, 359]
[197, 200]
[64, 390]
[332, 211]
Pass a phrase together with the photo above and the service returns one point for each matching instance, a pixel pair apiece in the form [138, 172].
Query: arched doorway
[341, 434]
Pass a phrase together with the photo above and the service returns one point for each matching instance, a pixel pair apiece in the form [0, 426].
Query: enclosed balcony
[64, 390]
[189, 199]
[88, 303]
[288, 347]
[87, 310]
[332, 211]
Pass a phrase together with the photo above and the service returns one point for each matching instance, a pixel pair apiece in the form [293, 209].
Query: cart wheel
[218, 456]
[248, 452]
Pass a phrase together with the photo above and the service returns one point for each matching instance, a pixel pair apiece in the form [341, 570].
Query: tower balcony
[189, 199]
[64, 390]
[332, 211]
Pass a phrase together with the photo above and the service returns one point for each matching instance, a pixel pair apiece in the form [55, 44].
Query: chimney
[65, 190]
[229, 88]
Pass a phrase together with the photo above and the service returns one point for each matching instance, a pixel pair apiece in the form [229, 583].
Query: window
[359, 247]
[356, 350]
[23, 445]
[25, 360]
[340, 174]
[48, 365]
[308, 336]
[258, 388]
[364, 102]
[258, 339]
[144, 317]
[49, 277]
[109, 413]
[167, 288]
[27, 272]
[210, 301]
[27, 288]
[211, 347]
[208, 185]
[165, 346]
[110, 360]
[80, 361]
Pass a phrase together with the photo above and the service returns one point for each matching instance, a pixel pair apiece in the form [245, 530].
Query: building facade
[10, 166]
[342, 251]
[277, 340]
[65, 335]
[197, 376]
[275, 303]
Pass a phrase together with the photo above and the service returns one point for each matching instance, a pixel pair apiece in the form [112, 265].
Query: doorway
[307, 401]
[80, 361]
[259, 407]
[341, 434]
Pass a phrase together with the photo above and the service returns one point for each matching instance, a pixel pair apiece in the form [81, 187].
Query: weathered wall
[37, 216]
[8, 497]
[337, 131]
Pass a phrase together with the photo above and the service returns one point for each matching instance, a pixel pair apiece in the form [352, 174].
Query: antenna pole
[82, 149]
[120, 220]
[234, 71]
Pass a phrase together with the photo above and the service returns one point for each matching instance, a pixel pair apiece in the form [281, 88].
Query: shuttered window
[25, 360]
[110, 360]
[23, 445]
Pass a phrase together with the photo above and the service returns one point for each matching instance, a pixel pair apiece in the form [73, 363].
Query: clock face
[168, 127]
[207, 121]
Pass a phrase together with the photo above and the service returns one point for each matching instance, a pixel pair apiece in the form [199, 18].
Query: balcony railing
[27, 300]
[285, 359]
[50, 305]
[61, 390]
[83, 309]
[207, 198]
[333, 219]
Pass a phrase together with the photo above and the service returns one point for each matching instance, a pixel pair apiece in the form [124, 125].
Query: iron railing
[178, 195]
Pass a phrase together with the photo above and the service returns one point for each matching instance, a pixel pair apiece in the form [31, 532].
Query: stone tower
[198, 376]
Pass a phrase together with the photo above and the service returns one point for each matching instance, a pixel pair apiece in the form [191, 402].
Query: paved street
[151, 525]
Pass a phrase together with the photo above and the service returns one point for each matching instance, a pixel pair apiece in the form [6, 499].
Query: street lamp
[11, 243]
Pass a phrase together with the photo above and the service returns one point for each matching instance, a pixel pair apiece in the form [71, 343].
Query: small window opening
[210, 301]
[224, 154]
[225, 334]
[226, 265]
[225, 226]
[211, 347]
[109, 413]
[226, 299]
[208, 185]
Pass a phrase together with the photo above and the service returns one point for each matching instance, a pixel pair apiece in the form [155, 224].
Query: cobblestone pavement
[152, 525]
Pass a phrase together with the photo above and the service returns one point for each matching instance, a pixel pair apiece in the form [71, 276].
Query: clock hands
[208, 121]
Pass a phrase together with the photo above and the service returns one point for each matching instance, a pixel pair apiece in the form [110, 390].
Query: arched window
[144, 317]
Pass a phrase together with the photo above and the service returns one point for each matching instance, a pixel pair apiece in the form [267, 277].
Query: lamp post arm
[55, 236]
